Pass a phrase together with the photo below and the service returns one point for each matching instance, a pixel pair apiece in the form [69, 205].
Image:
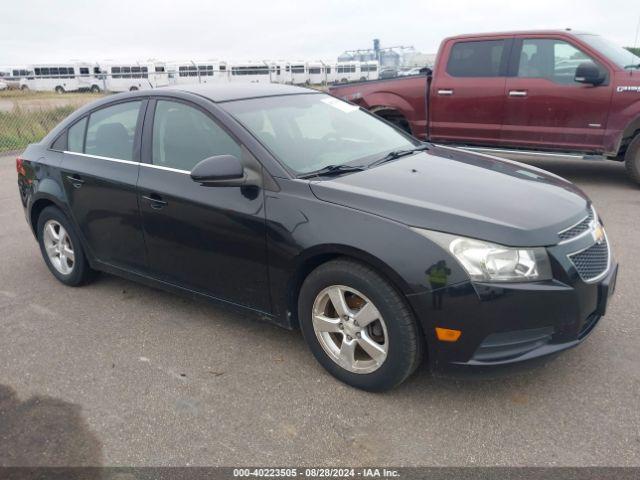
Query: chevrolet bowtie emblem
[597, 232]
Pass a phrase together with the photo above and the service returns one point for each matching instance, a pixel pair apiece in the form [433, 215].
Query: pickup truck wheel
[394, 117]
[632, 160]
[358, 326]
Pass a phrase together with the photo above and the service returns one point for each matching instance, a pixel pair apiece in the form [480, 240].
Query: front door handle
[75, 180]
[517, 93]
[156, 202]
[447, 92]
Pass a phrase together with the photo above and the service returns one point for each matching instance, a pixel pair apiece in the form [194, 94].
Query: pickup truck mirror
[221, 171]
[589, 73]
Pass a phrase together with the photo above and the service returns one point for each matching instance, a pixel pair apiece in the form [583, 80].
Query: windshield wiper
[333, 170]
[397, 154]
[633, 65]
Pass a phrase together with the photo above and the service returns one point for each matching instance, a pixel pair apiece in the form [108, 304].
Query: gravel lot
[116, 373]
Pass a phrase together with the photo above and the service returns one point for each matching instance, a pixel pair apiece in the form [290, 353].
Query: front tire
[59, 90]
[632, 160]
[61, 248]
[358, 326]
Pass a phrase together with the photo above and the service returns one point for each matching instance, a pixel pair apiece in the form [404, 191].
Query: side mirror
[221, 171]
[589, 73]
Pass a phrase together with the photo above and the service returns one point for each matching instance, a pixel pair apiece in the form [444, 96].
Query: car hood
[469, 194]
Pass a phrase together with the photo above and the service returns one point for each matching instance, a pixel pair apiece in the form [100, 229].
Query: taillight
[20, 167]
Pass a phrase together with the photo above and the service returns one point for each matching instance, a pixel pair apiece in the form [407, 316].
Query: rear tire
[133, 89]
[395, 118]
[632, 160]
[394, 328]
[61, 248]
[59, 90]
[95, 89]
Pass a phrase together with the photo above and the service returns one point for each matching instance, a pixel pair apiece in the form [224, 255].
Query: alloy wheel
[350, 329]
[58, 246]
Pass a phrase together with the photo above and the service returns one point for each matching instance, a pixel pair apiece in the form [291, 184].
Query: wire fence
[27, 116]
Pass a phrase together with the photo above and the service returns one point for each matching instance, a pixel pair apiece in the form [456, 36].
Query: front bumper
[504, 324]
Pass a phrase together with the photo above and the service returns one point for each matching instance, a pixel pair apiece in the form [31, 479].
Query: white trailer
[299, 73]
[294, 73]
[280, 71]
[12, 75]
[59, 77]
[317, 72]
[330, 71]
[369, 70]
[347, 72]
[250, 72]
[132, 76]
[190, 72]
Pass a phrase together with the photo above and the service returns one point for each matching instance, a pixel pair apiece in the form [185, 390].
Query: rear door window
[75, 139]
[476, 59]
[112, 130]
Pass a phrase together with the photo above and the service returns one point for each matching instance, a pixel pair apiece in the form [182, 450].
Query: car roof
[225, 92]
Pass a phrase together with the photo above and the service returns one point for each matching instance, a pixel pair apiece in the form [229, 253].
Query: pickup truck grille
[577, 229]
[592, 262]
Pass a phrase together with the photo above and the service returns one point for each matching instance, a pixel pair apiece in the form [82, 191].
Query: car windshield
[618, 55]
[309, 132]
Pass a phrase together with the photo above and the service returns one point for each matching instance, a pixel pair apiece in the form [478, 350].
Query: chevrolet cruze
[317, 215]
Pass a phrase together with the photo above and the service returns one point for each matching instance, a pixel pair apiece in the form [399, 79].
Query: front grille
[592, 262]
[576, 230]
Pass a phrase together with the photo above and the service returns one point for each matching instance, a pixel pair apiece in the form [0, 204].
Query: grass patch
[16, 94]
[19, 127]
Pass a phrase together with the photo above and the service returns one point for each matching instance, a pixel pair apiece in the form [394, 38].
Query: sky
[34, 31]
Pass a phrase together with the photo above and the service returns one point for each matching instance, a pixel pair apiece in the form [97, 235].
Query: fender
[622, 127]
[48, 191]
[337, 250]
[313, 257]
[630, 131]
[389, 100]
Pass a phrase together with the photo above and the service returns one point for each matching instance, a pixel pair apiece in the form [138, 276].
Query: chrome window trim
[130, 162]
[88, 155]
[168, 169]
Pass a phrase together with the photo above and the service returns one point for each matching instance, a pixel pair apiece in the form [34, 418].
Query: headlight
[490, 262]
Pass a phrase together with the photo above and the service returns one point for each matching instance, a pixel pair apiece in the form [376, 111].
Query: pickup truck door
[466, 102]
[545, 107]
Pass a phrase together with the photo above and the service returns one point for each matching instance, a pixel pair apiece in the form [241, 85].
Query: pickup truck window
[618, 55]
[555, 60]
[476, 59]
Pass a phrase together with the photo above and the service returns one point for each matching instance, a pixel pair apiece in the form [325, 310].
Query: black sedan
[318, 215]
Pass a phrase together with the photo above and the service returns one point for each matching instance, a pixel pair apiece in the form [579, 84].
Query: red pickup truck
[546, 91]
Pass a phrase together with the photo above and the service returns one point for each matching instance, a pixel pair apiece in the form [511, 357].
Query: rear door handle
[75, 180]
[445, 91]
[155, 201]
[517, 93]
